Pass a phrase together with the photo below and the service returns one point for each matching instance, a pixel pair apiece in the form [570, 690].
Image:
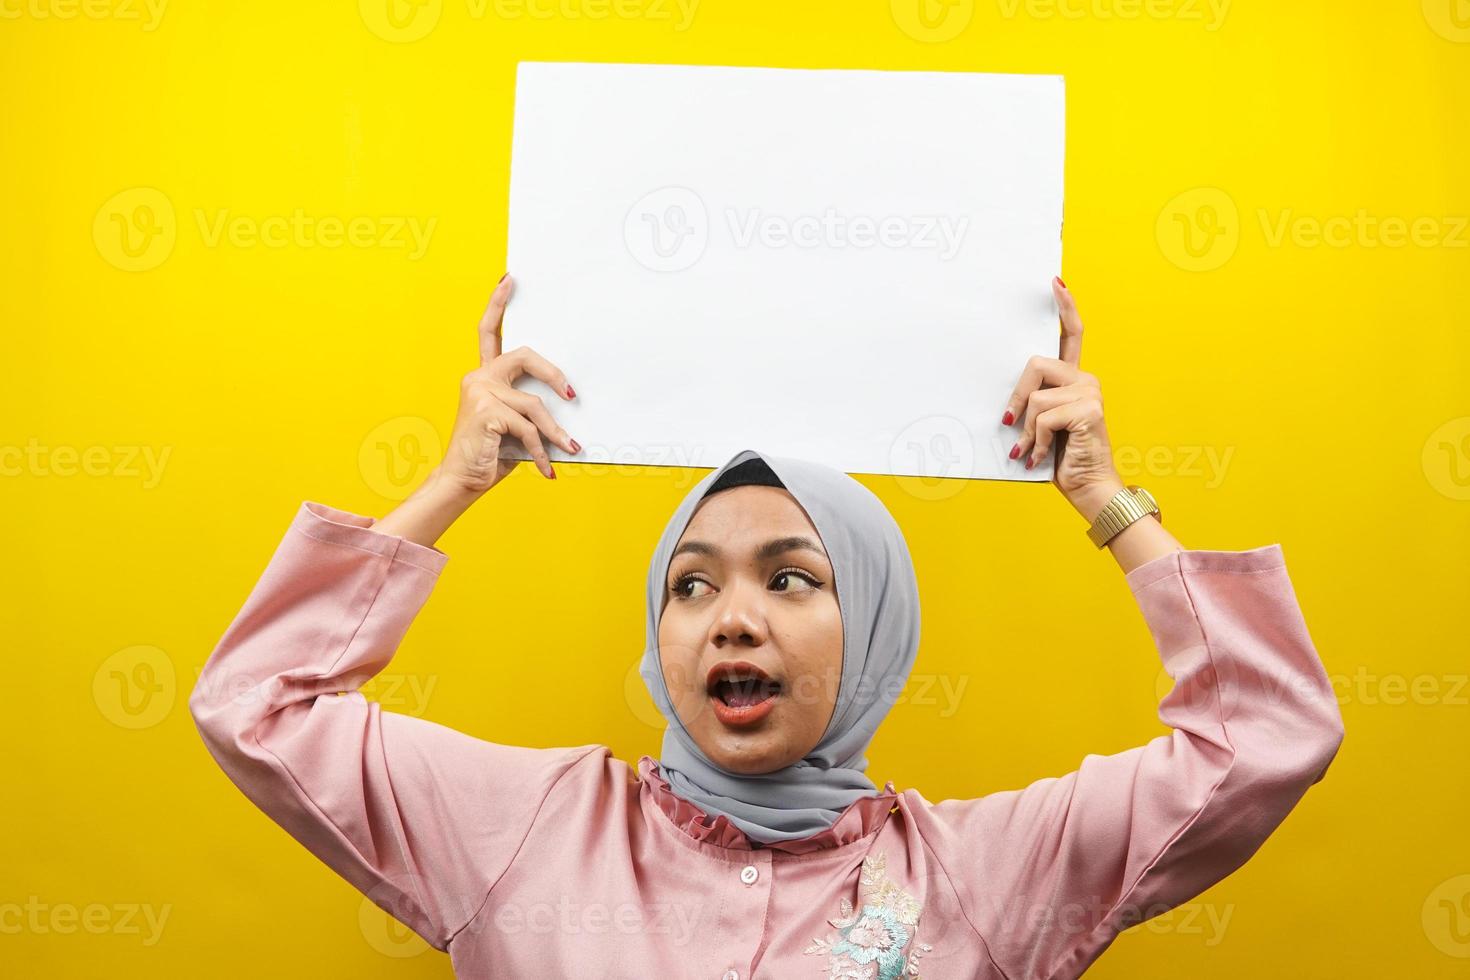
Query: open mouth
[745, 693]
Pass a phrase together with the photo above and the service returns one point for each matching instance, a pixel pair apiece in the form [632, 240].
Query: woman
[782, 621]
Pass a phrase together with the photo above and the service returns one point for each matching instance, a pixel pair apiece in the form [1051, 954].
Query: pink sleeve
[1050, 874]
[421, 818]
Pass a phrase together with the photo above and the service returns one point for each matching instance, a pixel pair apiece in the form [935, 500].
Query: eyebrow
[776, 546]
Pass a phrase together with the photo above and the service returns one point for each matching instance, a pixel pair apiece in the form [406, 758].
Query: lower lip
[742, 717]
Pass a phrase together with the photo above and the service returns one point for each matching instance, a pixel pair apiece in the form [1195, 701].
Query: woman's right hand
[490, 408]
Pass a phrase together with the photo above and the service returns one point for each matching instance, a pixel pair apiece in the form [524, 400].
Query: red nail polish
[1062, 281]
[552, 469]
[571, 392]
[576, 446]
[1030, 461]
[1007, 418]
[1015, 450]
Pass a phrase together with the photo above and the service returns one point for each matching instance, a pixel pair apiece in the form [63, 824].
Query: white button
[749, 874]
[730, 975]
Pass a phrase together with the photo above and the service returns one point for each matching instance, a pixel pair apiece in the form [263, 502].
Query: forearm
[427, 512]
[326, 615]
[1142, 541]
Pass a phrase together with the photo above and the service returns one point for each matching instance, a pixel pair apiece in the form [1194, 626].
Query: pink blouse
[564, 862]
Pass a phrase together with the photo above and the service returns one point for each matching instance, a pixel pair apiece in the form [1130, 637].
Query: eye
[683, 581]
[788, 574]
[682, 587]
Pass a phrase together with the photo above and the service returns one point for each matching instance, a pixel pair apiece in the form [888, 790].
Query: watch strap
[1122, 509]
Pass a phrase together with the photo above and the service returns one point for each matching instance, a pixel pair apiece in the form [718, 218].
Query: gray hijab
[878, 598]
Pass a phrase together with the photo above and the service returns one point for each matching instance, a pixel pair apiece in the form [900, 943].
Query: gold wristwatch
[1125, 507]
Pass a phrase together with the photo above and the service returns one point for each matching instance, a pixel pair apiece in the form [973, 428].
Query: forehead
[749, 511]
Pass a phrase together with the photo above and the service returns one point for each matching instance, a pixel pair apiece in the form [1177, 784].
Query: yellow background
[1329, 378]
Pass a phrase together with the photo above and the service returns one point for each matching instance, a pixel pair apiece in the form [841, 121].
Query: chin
[750, 759]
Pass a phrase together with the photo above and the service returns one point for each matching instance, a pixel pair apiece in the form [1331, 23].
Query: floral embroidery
[871, 942]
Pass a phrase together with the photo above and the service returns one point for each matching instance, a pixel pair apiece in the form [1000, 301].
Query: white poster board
[850, 267]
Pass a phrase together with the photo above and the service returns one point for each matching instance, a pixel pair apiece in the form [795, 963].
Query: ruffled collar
[861, 818]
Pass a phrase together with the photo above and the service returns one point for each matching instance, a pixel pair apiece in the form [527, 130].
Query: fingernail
[576, 446]
[571, 392]
[502, 278]
[1030, 461]
[1015, 450]
[1007, 418]
[1060, 280]
[552, 469]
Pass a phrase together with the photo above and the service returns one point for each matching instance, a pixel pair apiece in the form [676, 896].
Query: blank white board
[845, 266]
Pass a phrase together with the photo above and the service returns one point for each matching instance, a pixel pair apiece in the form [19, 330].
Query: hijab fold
[878, 597]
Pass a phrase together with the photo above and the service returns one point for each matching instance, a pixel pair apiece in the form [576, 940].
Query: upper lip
[730, 669]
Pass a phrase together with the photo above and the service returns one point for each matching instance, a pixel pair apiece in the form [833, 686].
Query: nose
[739, 620]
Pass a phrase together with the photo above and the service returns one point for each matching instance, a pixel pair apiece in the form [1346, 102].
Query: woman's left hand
[1065, 416]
